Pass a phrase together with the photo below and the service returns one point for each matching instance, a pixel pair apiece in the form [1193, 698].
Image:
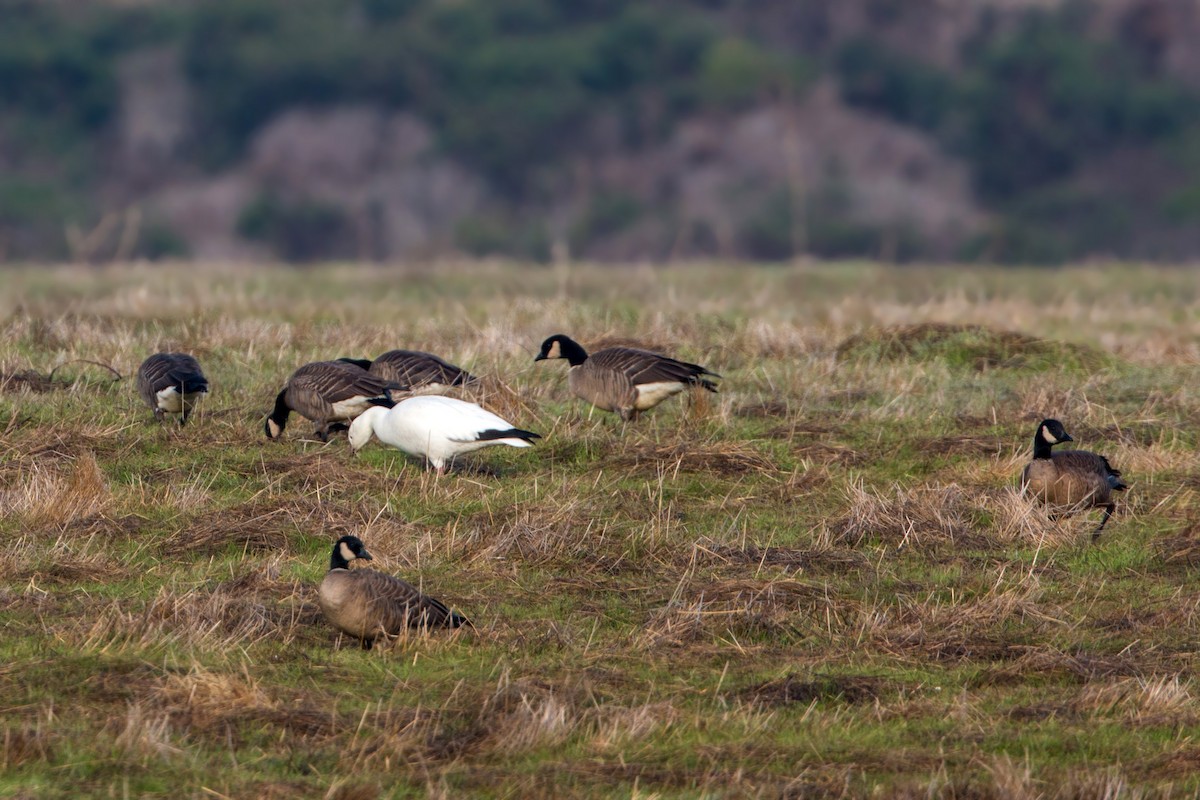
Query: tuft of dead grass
[913, 516]
[536, 535]
[1153, 701]
[237, 613]
[144, 735]
[259, 526]
[47, 496]
[990, 626]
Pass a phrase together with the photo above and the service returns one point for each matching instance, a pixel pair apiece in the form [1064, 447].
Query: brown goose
[416, 371]
[330, 393]
[368, 604]
[170, 383]
[1071, 480]
[624, 379]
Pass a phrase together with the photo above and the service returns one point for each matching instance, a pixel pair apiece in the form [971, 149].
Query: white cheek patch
[651, 394]
[347, 553]
[1048, 436]
[555, 351]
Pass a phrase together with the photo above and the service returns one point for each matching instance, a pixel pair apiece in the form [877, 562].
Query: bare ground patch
[818, 688]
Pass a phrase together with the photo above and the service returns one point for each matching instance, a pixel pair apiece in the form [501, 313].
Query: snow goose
[438, 428]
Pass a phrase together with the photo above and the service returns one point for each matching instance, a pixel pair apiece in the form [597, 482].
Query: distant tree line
[513, 89]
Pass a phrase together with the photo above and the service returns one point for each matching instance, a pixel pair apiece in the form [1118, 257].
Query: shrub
[302, 230]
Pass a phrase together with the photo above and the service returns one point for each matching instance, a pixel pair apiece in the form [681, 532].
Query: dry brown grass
[673, 458]
[261, 526]
[47, 496]
[909, 517]
[23, 744]
[821, 582]
[732, 610]
[237, 613]
[1158, 700]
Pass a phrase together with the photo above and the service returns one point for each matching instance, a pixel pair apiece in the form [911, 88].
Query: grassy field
[821, 582]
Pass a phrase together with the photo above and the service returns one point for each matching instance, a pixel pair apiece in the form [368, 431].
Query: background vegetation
[820, 582]
[514, 90]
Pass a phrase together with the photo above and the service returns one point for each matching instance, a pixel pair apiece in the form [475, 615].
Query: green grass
[819, 582]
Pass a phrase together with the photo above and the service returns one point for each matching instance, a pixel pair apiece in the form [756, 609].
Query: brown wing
[397, 604]
[334, 381]
[1083, 463]
[164, 370]
[413, 368]
[643, 366]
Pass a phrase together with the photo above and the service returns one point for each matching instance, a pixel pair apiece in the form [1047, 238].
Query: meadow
[820, 582]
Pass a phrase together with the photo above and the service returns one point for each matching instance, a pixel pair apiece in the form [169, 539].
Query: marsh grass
[821, 582]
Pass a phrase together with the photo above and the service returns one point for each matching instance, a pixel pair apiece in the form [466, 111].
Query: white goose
[438, 428]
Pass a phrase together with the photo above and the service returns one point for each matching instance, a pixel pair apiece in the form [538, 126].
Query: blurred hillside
[1014, 130]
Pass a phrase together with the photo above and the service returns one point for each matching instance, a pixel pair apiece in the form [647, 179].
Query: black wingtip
[511, 433]
[385, 402]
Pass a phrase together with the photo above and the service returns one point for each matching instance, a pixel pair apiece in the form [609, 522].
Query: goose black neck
[572, 351]
[280, 415]
[1041, 448]
[336, 561]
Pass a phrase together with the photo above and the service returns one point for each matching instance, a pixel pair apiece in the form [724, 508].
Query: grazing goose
[330, 393]
[368, 604]
[416, 371]
[170, 383]
[624, 379]
[1071, 480]
[438, 428]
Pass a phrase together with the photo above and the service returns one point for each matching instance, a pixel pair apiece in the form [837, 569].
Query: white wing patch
[351, 408]
[651, 394]
[171, 401]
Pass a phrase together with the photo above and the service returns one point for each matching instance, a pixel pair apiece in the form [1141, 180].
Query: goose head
[562, 346]
[1052, 431]
[345, 550]
[362, 429]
